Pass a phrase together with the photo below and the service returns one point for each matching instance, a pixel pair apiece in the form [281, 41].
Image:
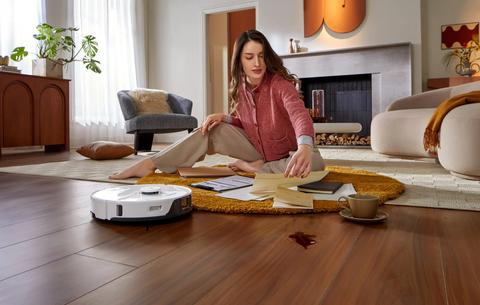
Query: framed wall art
[455, 35]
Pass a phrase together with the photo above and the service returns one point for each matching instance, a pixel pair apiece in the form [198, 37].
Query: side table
[337, 127]
[438, 83]
[321, 119]
[34, 110]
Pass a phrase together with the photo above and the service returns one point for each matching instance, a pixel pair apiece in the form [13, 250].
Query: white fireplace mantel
[390, 67]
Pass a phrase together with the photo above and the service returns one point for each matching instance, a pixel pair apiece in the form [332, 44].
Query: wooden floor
[53, 252]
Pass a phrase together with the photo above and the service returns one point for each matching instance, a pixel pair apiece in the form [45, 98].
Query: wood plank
[396, 262]
[60, 281]
[38, 227]
[141, 246]
[458, 232]
[22, 192]
[31, 254]
[285, 272]
[29, 197]
[41, 209]
[186, 274]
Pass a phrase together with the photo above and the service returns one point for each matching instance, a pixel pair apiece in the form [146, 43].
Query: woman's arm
[213, 120]
[301, 163]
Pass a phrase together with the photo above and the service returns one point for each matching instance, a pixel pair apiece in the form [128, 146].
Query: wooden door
[239, 22]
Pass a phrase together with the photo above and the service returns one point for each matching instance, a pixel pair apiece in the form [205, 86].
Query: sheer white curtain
[18, 21]
[118, 26]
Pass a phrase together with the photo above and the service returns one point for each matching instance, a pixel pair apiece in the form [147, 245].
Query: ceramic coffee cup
[361, 205]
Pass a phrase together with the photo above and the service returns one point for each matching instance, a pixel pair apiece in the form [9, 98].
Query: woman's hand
[301, 163]
[211, 121]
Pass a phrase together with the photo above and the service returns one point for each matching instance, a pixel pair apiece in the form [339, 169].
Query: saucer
[380, 216]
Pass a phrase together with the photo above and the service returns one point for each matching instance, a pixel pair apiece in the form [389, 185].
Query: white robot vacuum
[149, 202]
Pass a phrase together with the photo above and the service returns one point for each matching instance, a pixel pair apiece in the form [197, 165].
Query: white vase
[47, 67]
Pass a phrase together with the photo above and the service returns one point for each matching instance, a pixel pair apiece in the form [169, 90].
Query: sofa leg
[190, 130]
[143, 141]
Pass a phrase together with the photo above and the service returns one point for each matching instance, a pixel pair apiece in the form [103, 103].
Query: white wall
[176, 27]
[176, 59]
[436, 13]
[57, 13]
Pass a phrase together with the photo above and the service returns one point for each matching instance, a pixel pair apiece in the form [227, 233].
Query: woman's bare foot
[138, 170]
[244, 166]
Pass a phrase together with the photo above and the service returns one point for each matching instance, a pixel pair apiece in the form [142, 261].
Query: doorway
[223, 29]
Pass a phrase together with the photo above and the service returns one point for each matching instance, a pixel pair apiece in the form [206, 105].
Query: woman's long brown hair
[273, 63]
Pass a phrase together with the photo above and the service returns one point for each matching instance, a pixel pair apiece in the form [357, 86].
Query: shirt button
[256, 125]
[253, 106]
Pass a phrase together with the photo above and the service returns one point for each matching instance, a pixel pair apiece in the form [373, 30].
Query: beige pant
[224, 139]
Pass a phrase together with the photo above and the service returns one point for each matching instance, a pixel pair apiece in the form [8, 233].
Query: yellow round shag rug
[364, 182]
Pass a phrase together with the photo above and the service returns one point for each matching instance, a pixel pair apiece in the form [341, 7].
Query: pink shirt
[274, 118]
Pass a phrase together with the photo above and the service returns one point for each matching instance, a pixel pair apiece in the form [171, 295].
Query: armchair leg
[143, 141]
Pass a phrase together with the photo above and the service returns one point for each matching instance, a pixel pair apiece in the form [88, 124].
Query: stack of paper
[289, 199]
[269, 182]
[284, 191]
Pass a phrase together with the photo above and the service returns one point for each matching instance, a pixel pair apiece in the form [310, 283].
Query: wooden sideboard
[34, 111]
[438, 83]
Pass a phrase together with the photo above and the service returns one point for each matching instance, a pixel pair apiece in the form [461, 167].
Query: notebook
[196, 172]
[324, 187]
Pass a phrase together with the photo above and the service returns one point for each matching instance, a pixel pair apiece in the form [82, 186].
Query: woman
[269, 131]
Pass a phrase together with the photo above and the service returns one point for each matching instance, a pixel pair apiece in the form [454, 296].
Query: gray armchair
[146, 125]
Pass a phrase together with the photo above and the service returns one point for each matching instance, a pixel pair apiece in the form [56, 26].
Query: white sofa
[399, 130]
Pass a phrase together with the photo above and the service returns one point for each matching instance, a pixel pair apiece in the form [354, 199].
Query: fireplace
[358, 83]
[346, 98]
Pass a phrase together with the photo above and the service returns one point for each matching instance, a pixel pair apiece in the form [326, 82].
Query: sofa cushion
[170, 121]
[103, 150]
[148, 101]
[400, 132]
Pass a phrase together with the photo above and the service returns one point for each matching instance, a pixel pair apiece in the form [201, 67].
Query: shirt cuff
[228, 120]
[304, 139]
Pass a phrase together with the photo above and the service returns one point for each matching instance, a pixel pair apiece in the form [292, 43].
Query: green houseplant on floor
[53, 43]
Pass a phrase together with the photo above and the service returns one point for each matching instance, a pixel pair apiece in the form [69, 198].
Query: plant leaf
[92, 64]
[89, 46]
[58, 30]
[18, 54]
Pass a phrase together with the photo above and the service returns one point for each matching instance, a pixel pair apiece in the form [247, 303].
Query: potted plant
[52, 45]
[467, 56]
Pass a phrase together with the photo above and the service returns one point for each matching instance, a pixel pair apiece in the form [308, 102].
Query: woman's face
[252, 62]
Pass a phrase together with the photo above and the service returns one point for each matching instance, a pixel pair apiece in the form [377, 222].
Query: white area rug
[427, 183]
[96, 170]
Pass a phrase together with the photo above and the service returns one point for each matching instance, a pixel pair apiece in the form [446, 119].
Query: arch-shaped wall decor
[341, 16]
